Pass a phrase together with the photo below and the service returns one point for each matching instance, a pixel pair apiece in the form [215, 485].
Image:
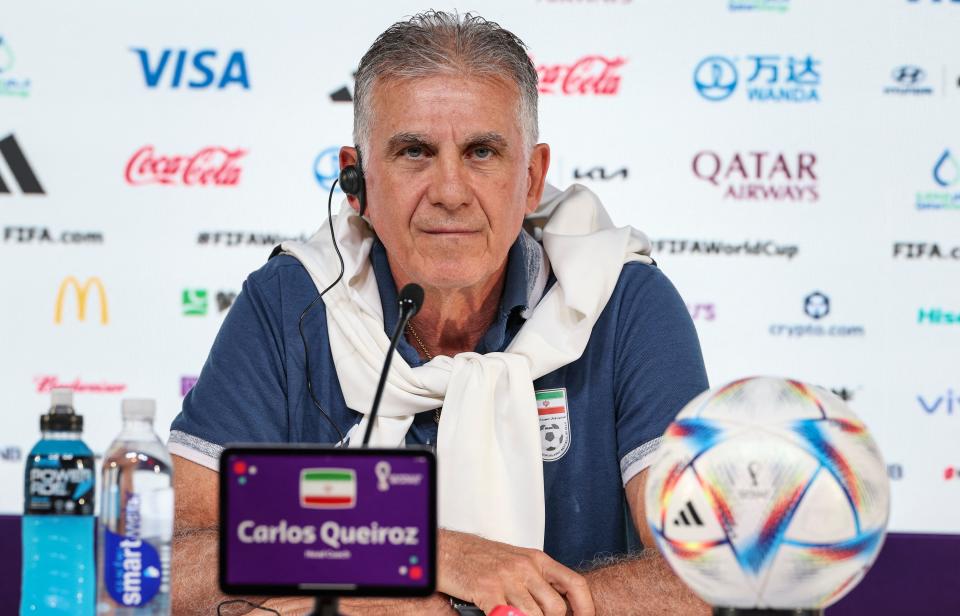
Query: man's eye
[482, 152]
[414, 151]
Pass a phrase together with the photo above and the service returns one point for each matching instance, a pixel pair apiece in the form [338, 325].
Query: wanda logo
[588, 75]
[211, 166]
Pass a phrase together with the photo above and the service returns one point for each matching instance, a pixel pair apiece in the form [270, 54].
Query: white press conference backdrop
[795, 162]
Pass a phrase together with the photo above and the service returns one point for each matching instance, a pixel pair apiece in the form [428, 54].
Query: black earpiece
[353, 184]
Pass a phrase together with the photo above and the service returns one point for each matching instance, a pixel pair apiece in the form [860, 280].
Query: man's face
[448, 179]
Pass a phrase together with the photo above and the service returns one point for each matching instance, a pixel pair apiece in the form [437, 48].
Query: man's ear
[536, 174]
[348, 156]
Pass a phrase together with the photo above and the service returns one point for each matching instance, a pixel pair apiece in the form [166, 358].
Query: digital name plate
[323, 521]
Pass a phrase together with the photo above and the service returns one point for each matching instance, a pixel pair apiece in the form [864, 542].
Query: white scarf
[490, 471]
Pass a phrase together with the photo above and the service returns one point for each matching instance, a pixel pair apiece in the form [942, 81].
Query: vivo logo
[195, 69]
[945, 403]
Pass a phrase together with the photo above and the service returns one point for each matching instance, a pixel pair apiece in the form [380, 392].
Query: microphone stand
[411, 298]
[326, 606]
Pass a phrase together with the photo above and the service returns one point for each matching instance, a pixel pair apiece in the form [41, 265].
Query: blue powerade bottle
[59, 576]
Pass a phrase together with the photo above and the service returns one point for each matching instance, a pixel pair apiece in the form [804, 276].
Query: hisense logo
[937, 316]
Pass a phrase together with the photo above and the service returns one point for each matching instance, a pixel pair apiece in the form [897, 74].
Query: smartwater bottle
[58, 519]
[136, 519]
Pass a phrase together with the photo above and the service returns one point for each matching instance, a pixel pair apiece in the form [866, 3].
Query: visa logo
[944, 403]
[200, 69]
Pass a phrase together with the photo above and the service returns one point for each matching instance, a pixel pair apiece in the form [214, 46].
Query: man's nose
[449, 186]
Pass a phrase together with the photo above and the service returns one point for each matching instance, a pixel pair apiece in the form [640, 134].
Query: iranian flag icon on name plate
[328, 488]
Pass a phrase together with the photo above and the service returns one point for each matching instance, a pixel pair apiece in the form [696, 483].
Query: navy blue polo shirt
[601, 417]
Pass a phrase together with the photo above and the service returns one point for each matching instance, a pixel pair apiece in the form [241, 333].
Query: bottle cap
[61, 417]
[61, 396]
[138, 408]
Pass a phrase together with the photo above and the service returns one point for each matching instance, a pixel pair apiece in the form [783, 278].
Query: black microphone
[411, 299]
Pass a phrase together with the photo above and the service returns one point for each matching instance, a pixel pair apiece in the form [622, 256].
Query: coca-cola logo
[211, 166]
[589, 75]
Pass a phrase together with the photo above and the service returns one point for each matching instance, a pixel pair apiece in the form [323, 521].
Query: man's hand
[489, 573]
[644, 585]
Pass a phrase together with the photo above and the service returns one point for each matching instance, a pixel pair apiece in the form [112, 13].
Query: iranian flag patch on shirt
[554, 426]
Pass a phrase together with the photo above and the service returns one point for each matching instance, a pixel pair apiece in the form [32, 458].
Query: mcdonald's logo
[82, 292]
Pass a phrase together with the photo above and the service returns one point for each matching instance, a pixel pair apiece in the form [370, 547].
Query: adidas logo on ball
[684, 520]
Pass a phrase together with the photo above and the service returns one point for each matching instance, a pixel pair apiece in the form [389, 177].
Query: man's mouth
[449, 231]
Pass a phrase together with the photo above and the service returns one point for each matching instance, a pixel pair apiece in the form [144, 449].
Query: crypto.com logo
[81, 291]
[816, 305]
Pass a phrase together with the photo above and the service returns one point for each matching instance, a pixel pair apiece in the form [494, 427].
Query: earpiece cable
[306, 352]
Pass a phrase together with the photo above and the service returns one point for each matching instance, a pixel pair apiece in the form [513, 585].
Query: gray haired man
[542, 370]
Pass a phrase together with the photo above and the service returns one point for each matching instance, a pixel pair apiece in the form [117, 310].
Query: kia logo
[908, 75]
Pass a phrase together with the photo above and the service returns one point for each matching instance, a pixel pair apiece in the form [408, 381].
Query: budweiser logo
[212, 165]
[45, 383]
[588, 75]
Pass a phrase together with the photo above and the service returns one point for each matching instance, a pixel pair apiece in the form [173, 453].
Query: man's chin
[452, 277]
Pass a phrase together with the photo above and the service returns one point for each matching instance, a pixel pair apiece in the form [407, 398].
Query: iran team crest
[554, 424]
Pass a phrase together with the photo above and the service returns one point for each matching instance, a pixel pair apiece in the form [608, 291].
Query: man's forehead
[434, 108]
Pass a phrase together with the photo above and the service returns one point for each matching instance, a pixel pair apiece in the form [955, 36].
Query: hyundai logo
[908, 75]
[715, 78]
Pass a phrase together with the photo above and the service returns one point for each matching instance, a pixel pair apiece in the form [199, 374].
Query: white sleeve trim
[195, 449]
[638, 459]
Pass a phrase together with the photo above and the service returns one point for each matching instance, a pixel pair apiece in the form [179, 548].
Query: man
[446, 130]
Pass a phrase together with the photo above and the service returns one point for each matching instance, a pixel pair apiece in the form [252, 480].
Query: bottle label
[59, 484]
[131, 569]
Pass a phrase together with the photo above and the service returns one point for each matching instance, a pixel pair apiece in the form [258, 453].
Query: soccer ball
[551, 437]
[768, 493]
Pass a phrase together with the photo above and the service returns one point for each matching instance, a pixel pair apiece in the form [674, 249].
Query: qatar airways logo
[211, 166]
[760, 176]
[589, 75]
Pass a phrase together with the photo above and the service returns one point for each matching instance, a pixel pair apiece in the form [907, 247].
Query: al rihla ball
[768, 493]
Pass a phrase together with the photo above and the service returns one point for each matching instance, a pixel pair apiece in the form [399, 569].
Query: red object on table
[506, 610]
